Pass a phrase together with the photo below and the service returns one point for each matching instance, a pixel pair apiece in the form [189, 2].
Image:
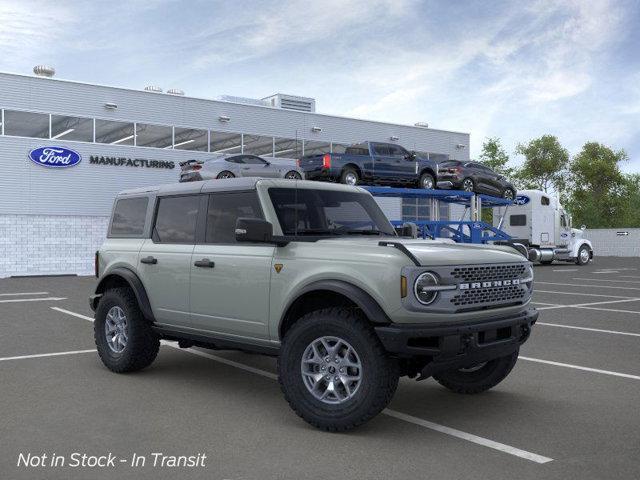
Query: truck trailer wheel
[478, 378]
[333, 370]
[584, 255]
[123, 337]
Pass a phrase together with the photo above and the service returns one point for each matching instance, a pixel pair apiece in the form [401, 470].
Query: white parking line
[566, 270]
[468, 437]
[588, 305]
[590, 286]
[552, 304]
[588, 329]
[44, 299]
[578, 367]
[583, 294]
[533, 457]
[610, 310]
[605, 280]
[23, 293]
[40, 355]
[628, 276]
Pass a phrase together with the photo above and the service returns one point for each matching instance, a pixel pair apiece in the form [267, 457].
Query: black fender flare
[134, 283]
[428, 169]
[362, 299]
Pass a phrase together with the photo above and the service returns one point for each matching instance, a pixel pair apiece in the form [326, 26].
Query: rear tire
[479, 378]
[546, 262]
[427, 181]
[225, 174]
[377, 373]
[349, 177]
[293, 175]
[140, 343]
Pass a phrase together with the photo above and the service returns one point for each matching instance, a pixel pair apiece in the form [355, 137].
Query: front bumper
[449, 347]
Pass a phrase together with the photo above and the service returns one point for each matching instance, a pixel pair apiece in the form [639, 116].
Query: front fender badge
[278, 267]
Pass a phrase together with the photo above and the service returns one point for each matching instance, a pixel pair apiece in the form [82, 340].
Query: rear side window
[224, 209]
[381, 149]
[544, 200]
[176, 219]
[128, 217]
[517, 220]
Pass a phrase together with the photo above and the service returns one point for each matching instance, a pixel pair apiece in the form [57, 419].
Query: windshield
[328, 213]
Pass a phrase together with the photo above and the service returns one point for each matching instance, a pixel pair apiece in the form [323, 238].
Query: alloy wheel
[427, 183]
[116, 329]
[331, 370]
[467, 185]
[350, 178]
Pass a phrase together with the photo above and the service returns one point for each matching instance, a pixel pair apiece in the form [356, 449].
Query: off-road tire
[142, 344]
[424, 177]
[347, 171]
[380, 373]
[480, 380]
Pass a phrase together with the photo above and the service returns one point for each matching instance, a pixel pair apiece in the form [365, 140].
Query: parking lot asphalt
[568, 410]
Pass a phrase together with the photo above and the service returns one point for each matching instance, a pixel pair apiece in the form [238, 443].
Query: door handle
[204, 263]
[149, 260]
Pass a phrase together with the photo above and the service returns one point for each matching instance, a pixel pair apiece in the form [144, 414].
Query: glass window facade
[225, 142]
[72, 128]
[157, 136]
[26, 124]
[115, 133]
[287, 147]
[191, 139]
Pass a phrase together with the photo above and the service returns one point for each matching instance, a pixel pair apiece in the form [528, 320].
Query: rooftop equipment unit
[175, 91]
[292, 102]
[44, 71]
[153, 88]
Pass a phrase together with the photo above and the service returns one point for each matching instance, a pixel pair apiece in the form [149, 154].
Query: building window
[72, 128]
[287, 148]
[416, 209]
[316, 148]
[114, 133]
[26, 124]
[191, 139]
[258, 145]
[157, 136]
[225, 142]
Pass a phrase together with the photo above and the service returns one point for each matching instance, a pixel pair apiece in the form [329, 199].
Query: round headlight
[422, 288]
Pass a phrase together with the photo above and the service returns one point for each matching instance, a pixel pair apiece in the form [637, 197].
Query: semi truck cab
[538, 221]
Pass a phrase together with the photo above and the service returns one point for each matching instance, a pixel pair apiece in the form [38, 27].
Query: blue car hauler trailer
[473, 230]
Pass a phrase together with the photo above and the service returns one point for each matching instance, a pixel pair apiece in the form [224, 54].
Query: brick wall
[49, 244]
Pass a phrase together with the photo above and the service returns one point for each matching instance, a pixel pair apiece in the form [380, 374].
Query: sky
[514, 70]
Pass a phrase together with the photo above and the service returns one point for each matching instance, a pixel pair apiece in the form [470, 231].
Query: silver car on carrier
[239, 165]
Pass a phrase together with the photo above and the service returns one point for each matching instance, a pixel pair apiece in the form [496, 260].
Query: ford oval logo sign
[521, 200]
[55, 157]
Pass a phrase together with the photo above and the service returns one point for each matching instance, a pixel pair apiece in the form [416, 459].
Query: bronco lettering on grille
[494, 283]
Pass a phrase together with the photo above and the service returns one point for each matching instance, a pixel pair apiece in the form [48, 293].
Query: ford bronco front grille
[479, 273]
[490, 295]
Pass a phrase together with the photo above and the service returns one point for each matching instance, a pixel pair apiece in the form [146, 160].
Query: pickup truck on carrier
[372, 163]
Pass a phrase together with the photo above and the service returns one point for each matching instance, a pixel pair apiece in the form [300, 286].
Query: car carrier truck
[538, 221]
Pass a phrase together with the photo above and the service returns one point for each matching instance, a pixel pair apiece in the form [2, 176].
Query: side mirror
[583, 227]
[408, 229]
[254, 230]
[410, 156]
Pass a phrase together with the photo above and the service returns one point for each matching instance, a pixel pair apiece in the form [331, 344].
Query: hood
[434, 252]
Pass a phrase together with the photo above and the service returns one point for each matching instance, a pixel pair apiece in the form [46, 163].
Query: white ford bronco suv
[316, 275]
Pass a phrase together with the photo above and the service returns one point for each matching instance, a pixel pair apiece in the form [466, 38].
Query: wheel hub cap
[351, 179]
[116, 329]
[584, 255]
[331, 370]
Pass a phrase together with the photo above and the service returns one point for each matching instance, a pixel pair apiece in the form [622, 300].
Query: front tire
[584, 255]
[478, 378]
[333, 370]
[123, 337]
[225, 174]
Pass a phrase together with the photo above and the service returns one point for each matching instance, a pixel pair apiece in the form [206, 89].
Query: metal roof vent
[422, 124]
[44, 71]
[153, 88]
[175, 91]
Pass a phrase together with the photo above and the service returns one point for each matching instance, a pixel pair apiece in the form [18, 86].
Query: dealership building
[52, 219]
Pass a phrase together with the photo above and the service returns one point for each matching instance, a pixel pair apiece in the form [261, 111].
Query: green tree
[631, 200]
[599, 192]
[495, 157]
[545, 164]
